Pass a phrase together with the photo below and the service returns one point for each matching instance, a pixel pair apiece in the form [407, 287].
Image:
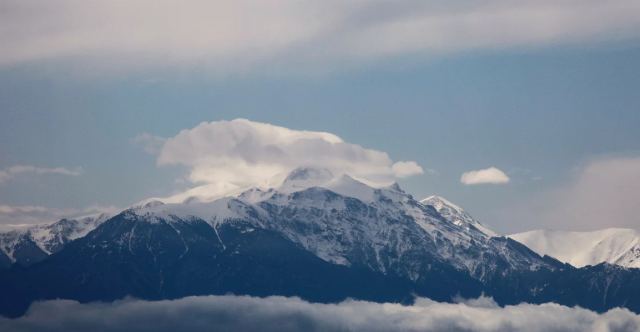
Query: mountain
[319, 236]
[617, 246]
[26, 246]
[346, 222]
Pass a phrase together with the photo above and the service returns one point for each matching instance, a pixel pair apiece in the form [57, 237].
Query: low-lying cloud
[226, 156]
[491, 175]
[243, 313]
[246, 34]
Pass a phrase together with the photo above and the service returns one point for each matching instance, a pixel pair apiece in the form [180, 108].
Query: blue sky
[545, 108]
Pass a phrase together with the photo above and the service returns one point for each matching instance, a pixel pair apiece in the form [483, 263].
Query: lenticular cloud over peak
[227, 156]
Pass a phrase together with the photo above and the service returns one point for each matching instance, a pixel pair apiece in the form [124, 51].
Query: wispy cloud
[491, 175]
[14, 171]
[16, 216]
[151, 144]
[249, 34]
[243, 313]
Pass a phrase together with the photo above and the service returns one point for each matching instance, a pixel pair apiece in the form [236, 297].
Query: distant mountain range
[317, 236]
[29, 245]
[618, 246]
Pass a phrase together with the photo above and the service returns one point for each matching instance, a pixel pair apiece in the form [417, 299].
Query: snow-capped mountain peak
[456, 214]
[307, 177]
[618, 246]
[440, 203]
[345, 221]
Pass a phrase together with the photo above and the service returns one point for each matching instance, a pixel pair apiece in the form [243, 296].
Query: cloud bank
[18, 170]
[227, 156]
[242, 313]
[248, 34]
[491, 175]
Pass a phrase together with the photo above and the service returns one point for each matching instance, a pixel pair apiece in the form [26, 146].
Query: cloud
[14, 171]
[223, 156]
[149, 143]
[491, 175]
[403, 169]
[247, 34]
[243, 313]
[603, 193]
[16, 216]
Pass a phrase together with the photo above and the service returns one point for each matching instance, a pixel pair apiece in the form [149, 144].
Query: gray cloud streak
[15, 171]
[247, 34]
[20, 216]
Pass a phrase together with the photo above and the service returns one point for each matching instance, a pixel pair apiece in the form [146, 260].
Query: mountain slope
[456, 214]
[169, 258]
[614, 246]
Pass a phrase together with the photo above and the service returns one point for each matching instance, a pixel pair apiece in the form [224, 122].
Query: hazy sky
[540, 98]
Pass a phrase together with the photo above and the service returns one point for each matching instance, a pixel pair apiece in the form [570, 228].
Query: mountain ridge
[311, 242]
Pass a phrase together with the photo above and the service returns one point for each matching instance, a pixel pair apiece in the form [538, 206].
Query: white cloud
[604, 193]
[243, 313]
[251, 34]
[15, 216]
[403, 169]
[223, 156]
[491, 175]
[14, 171]
[150, 144]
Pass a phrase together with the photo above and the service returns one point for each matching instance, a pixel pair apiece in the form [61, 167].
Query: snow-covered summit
[618, 246]
[456, 214]
[307, 177]
[300, 185]
[297, 179]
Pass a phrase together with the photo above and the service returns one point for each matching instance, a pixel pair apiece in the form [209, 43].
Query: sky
[526, 114]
